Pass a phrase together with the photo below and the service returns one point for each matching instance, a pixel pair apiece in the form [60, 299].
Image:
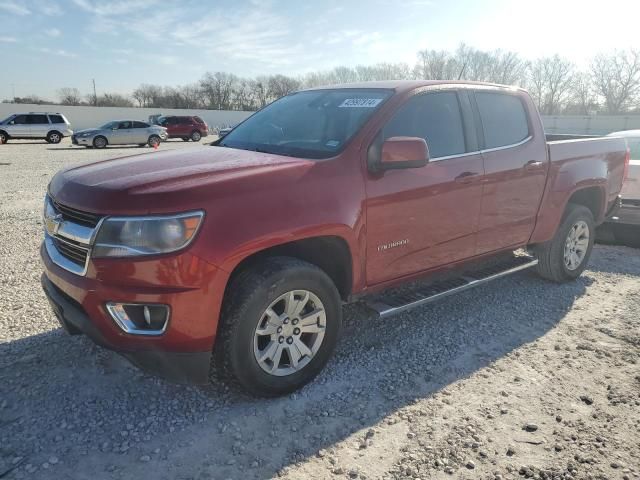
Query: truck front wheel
[280, 325]
[566, 256]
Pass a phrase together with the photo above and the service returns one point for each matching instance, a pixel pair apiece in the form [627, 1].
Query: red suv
[187, 128]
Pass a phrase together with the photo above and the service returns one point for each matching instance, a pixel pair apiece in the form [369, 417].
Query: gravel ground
[518, 378]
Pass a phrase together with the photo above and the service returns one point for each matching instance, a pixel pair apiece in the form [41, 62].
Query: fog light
[140, 319]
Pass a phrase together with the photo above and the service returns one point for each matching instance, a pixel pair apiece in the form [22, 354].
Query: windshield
[312, 124]
[109, 126]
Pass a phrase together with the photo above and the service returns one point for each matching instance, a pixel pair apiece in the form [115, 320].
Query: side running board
[394, 303]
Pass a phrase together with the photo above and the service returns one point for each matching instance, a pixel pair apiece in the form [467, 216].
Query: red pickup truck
[239, 255]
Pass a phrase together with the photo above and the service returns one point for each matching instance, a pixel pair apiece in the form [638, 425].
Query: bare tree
[436, 65]
[583, 100]
[217, 89]
[261, 91]
[550, 83]
[110, 100]
[281, 85]
[69, 96]
[616, 78]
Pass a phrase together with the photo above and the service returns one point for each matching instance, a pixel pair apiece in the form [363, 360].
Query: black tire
[185, 139]
[100, 142]
[54, 137]
[196, 136]
[551, 261]
[154, 140]
[4, 137]
[249, 295]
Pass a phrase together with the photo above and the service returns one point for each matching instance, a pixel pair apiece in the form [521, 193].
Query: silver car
[120, 132]
[52, 127]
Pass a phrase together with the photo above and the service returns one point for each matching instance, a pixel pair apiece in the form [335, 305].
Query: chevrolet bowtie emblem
[53, 224]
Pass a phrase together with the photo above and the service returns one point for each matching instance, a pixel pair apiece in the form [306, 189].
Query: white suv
[52, 127]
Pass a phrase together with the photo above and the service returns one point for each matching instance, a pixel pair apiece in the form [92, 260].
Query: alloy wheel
[576, 245]
[289, 333]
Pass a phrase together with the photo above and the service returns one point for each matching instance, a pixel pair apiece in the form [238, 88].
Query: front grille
[71, 251]
[77, 216]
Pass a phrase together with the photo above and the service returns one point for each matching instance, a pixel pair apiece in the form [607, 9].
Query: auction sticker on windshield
[360, 102]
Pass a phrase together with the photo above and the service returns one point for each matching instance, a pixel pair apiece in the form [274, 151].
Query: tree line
[609, 84]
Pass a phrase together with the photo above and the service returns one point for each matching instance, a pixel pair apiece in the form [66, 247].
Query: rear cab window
[503, 117]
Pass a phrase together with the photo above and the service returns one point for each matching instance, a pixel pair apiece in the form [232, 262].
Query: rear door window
[56, 119]
[435, 117]
[184, 120]
[504, 119]
[37, 119]
[140, 125]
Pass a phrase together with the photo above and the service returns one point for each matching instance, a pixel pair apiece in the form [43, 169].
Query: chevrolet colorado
[235, 258]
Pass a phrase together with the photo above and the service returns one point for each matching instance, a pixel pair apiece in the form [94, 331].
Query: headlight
[133, 236]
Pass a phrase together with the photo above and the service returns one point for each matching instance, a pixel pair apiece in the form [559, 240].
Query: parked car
[185, 127]
[52, 127]
[224, 131]
[625, 225]
[120, 132]
[246, 250]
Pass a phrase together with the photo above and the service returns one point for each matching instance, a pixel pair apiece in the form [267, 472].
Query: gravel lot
[519, 378]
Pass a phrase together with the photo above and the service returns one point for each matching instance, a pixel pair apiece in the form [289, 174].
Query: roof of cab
[406, 85]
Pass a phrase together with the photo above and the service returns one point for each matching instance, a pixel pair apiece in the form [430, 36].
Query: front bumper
[184, 282]
[77, 140]
[180, 367]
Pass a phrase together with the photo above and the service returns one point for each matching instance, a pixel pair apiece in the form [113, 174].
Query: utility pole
[95, 96]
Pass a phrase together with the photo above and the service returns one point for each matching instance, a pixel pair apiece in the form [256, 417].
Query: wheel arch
[330, 253]
[591, 197]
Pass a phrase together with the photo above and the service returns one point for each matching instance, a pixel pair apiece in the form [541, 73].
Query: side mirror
[404, 152]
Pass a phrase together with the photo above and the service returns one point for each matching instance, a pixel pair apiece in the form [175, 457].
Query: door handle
[533, 165]
[466, 177]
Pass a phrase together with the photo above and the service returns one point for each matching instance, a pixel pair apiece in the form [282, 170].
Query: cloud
[114, 8]
[53, 32]
[254, 33]
[15, 8]
[59, 52]
[8, 39]
[47, 7]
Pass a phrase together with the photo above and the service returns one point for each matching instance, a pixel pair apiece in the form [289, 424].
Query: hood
[87, 130]
[172, 181]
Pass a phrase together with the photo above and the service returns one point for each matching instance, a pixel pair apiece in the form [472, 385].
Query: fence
[89, 117]
[590, 124]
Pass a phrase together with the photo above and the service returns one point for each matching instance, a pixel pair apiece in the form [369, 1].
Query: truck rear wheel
[280, 325]
[566, 256]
